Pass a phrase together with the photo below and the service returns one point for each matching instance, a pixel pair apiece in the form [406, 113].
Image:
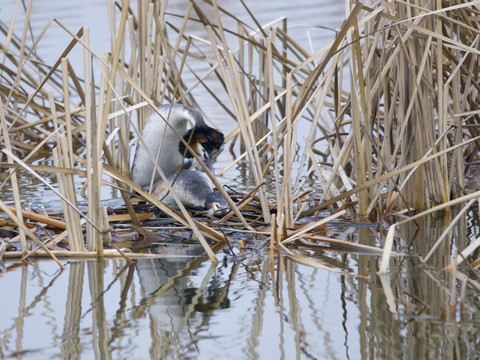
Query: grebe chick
[168, 148]
[192, 187]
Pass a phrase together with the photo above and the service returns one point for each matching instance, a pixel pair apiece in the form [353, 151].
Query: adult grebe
[192, 187]
[167, 148]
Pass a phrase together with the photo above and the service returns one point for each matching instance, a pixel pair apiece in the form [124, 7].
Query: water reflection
[70, 339]
[183, 306]
[180, 307]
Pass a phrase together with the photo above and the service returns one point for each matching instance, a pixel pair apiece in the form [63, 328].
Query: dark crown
[210, 138]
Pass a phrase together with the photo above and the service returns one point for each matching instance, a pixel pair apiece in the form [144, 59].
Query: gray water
[152, 310]
[244, 307]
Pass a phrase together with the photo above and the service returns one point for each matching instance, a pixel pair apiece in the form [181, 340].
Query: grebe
[192, 187]
[167, 148]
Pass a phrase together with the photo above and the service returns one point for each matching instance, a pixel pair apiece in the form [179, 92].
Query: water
[147, 310]
[244, 307]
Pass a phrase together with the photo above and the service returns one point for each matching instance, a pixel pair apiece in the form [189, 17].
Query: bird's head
[205, 141]
[215, 202]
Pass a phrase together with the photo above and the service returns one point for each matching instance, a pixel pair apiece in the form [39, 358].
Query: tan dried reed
[391, 101]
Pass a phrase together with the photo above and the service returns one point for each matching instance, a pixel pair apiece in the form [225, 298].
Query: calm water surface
[188, 309]
[244, 307]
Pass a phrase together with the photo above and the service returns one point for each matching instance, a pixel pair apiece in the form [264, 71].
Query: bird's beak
[208, 159]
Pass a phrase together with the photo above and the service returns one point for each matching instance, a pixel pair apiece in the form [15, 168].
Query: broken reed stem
[289, 144]
[74, 227]
[40, 218]
[271, 109]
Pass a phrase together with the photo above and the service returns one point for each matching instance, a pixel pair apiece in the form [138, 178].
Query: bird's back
[162, 143]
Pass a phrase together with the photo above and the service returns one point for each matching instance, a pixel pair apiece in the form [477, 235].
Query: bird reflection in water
[176, 288]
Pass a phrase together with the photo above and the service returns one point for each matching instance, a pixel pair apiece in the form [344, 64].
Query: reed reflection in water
[243, 308]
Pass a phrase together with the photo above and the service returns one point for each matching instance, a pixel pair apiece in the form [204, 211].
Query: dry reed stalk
[62, 158]
[45, 168]
[123, 157]
[40, 218]
[270, 86]
[273, 239]
[346, 245]
[304, 229]
[391, 101]
[289, 144]
[364, 66]
[12, 224]
[94, 165]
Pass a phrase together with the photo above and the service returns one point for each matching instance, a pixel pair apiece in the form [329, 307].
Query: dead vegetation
[387, 111]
